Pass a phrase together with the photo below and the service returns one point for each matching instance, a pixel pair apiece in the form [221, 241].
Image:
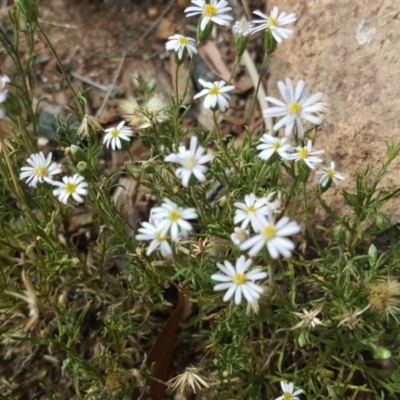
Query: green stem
[309, 228]
[237, 59]
[215, 119]
[178, 102]
[191, 65]
[219, 143]
[253, 101]
[81, 110]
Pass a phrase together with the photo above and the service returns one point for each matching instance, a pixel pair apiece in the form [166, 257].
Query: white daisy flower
[272, 235]
[239, 236]
[172, 219]
[40, 170]
[242, 27]
[214, 11]
[74, 186]
[250, 210]
[295, 107]
[4, 79]
[237, 282]
[114, 135]
[216, 96]
[191, 161]
[151, 231]
[307, 155]
[271, 145]
[180, 43]
[274, 23]
[288, 392]
[330, 174]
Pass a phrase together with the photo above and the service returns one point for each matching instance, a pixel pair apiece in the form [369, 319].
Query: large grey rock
[349, 50]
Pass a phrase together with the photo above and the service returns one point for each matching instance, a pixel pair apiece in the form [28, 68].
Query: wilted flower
[274, 202]
[385, 296]
[4, 79]
[239, 236]
[309, 318]
[30, 297]
[242, 27]
[141, 116]
[350, 318]
[190, 377]
[89, 126]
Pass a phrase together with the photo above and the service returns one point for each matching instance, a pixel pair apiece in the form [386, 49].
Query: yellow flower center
[330, 173]
[115, 133]
[287, 396]
[303, 153]
[183, 40]
[239, 278]
[160, 237]
[276, 146]
[214, 90]
[210, 10]
[70, 187]
[241, 235]
[272, 21]
[269, 232]
[174, 215]
[251, 209]
[294, 108]
[41, 171]
[190, 163]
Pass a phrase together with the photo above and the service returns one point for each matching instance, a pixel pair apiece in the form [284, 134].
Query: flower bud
[304, 171]
[241, 30]
[382, 353]
[323, 189]
[82, 165]
[240, 45]
[89, 126]
[380, 221]
[269, 43]
[114, 382]
[202, 35]
[339, 234]
[180, 61]
[372, 255]
[148, 167]
[78, 153]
